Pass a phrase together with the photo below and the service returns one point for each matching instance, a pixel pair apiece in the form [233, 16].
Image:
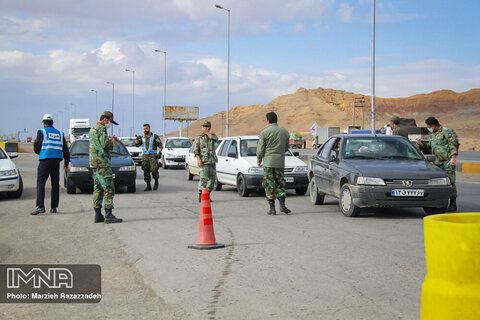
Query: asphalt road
[314, 264]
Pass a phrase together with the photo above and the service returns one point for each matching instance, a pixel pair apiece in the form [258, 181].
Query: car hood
[115, 161]
[290, 162]
[134, 149]
[7, 164]
[396, 169]
[176, 151]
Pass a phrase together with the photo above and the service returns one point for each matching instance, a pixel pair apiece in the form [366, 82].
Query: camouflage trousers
[273, 183]
[451, 175]
[150, 165]
[103, 187]
[207, 176]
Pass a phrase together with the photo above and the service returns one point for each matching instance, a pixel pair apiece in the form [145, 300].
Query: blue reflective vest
[149, 151]
[52, 145]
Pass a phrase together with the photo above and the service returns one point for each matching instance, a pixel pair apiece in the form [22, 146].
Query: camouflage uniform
[150, 161]
[100, 146]
[444, 145]
[273, 183]
[205, 148]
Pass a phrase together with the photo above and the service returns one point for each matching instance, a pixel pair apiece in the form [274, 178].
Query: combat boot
[210, 195]
[155, 186]
[148, 188]
[453, 204]
[98, 215]
[272, 210]
[199, 196]
[283, 208]
[110, 218]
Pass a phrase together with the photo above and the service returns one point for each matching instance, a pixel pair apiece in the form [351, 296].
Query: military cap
[207, 124]
[110, 115]
[395, 118]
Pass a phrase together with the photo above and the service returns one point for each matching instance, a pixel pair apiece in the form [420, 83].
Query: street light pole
[228, 67]
[164, 89]
[96, 104]
[113, 98]
[133, 102]
[373, 67]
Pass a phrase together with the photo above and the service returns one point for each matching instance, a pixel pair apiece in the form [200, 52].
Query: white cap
[47, 116]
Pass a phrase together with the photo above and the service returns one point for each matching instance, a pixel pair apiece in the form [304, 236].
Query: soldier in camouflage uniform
[206, 158]
[103, 188]
[151, 143]
[444, 145]
[271, 150]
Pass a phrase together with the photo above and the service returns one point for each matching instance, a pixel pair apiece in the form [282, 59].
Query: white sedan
[191, 163]
[237, 166]
[174, 151]
[10, 179]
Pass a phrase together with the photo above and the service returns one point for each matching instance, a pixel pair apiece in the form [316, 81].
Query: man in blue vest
[150, 143]
[51, 147]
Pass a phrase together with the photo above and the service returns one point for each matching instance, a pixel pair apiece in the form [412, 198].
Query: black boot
[98, 215]
[200, 196]
[283, 208]
[453, 204]
[110, 218]
[210, 195]
[272, 210]
[155, 186]
[148, 188]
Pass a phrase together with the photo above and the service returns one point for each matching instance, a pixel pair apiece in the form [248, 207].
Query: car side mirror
[296, 153]
[232, 154]
[13, 155]
[332, 159]
[430, 157]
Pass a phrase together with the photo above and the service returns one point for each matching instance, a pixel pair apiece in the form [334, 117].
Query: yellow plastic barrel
[451, 289]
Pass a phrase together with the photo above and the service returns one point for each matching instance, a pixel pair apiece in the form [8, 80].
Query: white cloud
[345, 12]
[299, 27]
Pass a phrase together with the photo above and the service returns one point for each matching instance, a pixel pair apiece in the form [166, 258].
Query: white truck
[78, 128]
[322, 134]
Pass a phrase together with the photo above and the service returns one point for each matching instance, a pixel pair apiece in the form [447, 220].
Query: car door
[320, 166]
[232, 162]
[221, 161]
[332, 171]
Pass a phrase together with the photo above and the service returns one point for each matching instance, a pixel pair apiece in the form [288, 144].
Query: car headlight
[78, 169]
[168, 154]
[370, 181]
[127, 168]
[5, 173]
[255, 170]
[439, 182]
[301, 169]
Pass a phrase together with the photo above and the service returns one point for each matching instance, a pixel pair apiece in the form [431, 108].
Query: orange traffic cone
[206, 235]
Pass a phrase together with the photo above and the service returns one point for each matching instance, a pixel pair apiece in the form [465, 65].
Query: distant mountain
[330, 107]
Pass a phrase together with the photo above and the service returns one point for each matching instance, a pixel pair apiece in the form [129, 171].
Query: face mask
[108, 125]
[430, 129]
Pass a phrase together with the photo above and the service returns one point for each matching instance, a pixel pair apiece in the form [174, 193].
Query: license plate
[408, 193]
[113, 176]
[289, 179]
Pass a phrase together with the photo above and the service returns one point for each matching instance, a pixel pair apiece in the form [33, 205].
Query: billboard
[181, 113]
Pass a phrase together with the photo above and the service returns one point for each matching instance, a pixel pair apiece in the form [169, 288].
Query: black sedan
[80, 175]
[379, 171]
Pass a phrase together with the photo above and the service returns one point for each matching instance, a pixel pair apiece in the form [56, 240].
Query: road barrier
[451, 289]
[206, 235]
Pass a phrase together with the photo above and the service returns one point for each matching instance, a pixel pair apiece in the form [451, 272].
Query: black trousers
[46, 168]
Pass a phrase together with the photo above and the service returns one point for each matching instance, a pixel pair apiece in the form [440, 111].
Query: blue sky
[52, 53]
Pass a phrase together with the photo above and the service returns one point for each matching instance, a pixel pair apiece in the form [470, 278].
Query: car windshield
[248, 148]
[380, 148]
[81, 148]
[80, 131]
[129, 142]
[178, 143]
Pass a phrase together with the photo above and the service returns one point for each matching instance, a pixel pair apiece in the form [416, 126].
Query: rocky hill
[330, 107]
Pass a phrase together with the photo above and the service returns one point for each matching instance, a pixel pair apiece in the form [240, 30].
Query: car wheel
[163, 164]
[242, 186]
[189, 174]
[218, 185]
[70, 189]
[301, 191]
[315, 197]
[132, 188]
[346, 202]
[18, 193]
[432, 210]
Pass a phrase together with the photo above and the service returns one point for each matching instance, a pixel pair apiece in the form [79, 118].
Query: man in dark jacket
[51, 147]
